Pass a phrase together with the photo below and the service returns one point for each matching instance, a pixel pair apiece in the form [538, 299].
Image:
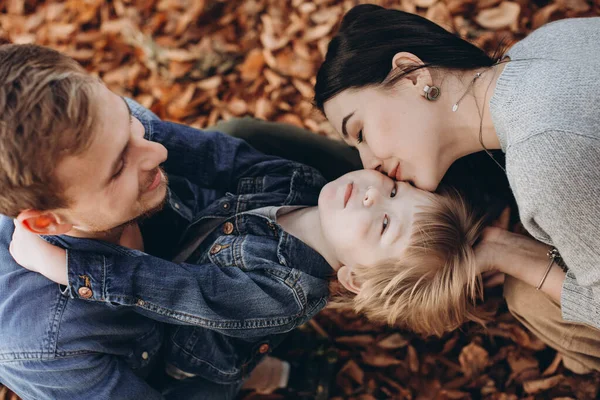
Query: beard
[147, 211]
[113, 235]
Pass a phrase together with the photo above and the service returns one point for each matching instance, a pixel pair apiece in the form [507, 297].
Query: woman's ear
[421, 77]
[346, 278]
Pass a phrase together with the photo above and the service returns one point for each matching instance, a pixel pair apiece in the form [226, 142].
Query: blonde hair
[46, 113]
[435, 286]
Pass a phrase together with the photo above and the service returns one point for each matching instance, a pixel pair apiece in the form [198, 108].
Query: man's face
[117, 179]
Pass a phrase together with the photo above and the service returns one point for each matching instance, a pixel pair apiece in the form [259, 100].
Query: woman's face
[368, 218]
[396, 131]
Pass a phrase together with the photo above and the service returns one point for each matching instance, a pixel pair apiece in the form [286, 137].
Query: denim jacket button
[215, 249]
[263, 348]
[145, 355]
[225, 206]
[85, 292]
[227, 228]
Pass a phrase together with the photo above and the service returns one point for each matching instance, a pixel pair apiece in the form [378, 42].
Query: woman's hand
[35, 254]
[521, 257]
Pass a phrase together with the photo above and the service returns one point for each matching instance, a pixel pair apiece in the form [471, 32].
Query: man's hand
[34, 253]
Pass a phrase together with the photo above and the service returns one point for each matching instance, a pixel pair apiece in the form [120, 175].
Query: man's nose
[153, 154]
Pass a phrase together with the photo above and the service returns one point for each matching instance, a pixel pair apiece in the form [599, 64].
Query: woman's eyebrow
[344, 121]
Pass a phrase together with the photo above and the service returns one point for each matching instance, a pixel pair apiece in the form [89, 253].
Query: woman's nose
[368, 159]
[371, 197]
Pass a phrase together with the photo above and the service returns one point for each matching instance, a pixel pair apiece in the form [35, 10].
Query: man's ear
[43, 222]
[346, 278]
[420, 77]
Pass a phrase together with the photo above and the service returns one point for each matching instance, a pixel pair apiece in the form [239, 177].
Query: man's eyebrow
[344, 121]
[115, 163]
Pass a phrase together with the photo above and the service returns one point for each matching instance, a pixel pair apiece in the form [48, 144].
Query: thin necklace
[481, 112]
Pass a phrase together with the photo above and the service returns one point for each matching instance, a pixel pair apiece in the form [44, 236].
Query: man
[77, 162]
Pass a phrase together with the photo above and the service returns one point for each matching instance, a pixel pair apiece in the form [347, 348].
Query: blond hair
[46, 113]
[434, 287]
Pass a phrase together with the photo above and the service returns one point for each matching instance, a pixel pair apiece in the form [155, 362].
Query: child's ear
[346, 278]
[43, 223]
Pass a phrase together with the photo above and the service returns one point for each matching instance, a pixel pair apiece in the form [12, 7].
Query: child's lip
[348, 193]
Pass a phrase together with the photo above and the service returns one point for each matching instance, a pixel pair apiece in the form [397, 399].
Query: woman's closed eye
[360, 137]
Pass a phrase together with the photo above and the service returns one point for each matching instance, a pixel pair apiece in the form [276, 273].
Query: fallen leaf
[473, 359]
[393, 342]
[379, 359]
[540, 385]
[352, 369]
[358, 340]
[503, 16]
[253, 65]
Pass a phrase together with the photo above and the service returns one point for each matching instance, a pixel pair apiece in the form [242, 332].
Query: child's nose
[371, 197]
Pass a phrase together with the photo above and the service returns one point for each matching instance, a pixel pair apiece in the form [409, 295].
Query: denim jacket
[213, 319]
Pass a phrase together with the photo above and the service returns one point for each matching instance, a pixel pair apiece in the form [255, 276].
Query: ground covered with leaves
[199, 61]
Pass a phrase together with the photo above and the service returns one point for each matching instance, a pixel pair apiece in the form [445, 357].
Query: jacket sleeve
[230, 300]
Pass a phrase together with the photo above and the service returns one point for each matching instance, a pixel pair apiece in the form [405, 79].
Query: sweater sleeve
[556, 181]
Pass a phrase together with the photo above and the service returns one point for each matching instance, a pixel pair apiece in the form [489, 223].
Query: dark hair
[361, 53]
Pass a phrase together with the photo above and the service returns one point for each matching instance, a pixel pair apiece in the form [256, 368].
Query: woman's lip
[156, 181]
[394, 173]
[348, 193]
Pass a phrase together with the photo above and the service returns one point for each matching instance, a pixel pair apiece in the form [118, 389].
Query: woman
[414, 98]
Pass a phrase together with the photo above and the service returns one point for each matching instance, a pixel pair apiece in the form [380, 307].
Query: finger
[503, 220]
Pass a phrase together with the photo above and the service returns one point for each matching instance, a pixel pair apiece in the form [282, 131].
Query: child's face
[368, 218]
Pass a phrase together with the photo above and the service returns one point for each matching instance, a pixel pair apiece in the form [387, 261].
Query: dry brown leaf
[578, 6]
[237, 107]
[210, 83]
[413, 359]
[379, 359]
[452, 395]
[393, 342]
[352, 369]
[358, 340]
[504, 16]
[424, 3]
[473, 359]
[440, 14]
[317, 32]
[540, 385]
[288, 64]
[304, 88]
[289, 118]
[252, 65]
[542, 17]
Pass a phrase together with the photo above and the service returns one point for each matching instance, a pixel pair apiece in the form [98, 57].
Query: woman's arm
[521, 257]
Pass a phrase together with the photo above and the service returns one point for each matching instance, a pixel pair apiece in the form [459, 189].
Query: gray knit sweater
[546, 111]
